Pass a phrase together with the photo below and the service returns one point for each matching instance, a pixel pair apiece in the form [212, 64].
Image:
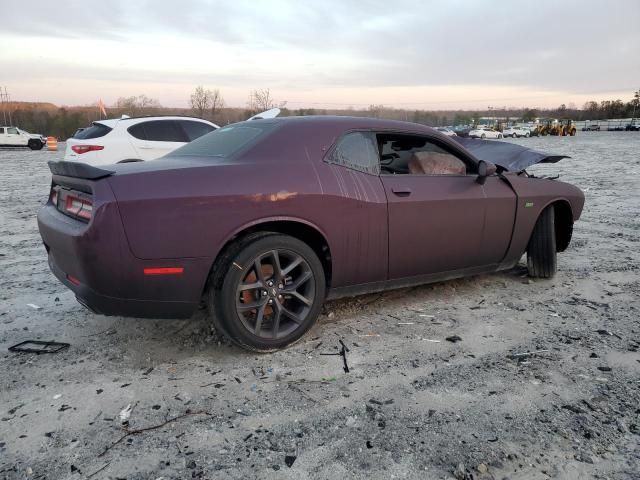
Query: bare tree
[261, 100]
[201, 100]
[217, 102]
[137, 105]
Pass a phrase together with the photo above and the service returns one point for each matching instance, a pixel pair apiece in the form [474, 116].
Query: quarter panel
[534, 195]
[192, 212]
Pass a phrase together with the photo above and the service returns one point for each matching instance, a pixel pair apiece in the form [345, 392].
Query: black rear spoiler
[78, 170]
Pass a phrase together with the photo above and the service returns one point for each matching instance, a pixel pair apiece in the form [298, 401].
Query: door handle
[402, 192]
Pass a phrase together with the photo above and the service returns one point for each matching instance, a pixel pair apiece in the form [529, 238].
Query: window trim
[369, 133]
[462, 155]
[176, 126]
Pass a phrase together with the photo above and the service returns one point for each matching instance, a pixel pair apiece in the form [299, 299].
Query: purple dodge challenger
[264, 220]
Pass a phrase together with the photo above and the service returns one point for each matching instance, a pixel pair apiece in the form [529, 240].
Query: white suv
[133, 139]
[15, 137]
[516, 132]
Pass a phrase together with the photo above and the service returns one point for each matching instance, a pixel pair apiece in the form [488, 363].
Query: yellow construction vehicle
[566, 128]
[543, 128]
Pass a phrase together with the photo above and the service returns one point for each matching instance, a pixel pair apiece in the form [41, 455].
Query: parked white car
[16, 137]
[133, 139]
[447, 131]
[516, 132]
[485, 132]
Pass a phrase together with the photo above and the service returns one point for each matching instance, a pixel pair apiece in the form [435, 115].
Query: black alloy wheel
[270, 289]
[276, 294]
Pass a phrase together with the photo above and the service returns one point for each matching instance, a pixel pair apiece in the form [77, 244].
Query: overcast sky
[412, 54]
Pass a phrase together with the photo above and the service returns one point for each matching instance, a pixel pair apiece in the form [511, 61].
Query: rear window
[226, 141]
[96, 130]
[194, 129]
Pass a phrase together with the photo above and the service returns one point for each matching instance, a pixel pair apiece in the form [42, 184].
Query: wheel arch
[563, 222]
[303, 230]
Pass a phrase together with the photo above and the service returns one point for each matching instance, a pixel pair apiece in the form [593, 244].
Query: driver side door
[437, 222]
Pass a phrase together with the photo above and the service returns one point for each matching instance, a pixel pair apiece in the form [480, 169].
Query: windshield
[226, 141]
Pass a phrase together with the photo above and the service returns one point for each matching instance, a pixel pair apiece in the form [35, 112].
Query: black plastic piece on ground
[38, 346]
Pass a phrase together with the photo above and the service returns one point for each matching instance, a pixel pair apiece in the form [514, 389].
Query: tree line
[62, 122]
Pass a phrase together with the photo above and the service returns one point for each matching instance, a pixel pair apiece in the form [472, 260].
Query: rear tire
[284, 311]
[541, 251]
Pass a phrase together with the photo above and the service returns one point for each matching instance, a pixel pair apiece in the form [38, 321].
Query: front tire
[34, 144]
[268, 292]
[541, 251]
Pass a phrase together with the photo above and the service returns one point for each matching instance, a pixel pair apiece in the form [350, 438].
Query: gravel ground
[413, 404]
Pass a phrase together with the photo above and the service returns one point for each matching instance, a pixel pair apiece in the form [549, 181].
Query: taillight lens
[80, 149]
[54, 197]
[78, 207]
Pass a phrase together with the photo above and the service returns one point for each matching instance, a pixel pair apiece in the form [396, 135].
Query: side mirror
[485, 169]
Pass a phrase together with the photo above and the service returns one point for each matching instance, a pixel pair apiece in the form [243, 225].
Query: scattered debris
[99, 470]
[454, 339]
[574, 408]
[519, 356]
[154, 427]
[39, 346]
[34, 306]
[607, 332]
[125, 413]
[462, 473]
[15, 409]
[343, 353]
[289, 460]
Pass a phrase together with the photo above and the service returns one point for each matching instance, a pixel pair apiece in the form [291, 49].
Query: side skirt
[373, 287]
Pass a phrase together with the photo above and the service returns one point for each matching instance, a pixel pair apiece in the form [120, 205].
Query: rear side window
[164, 131]
[137, 131]
[226, 141]
[96, 130]
[194, 129]
[358, 151]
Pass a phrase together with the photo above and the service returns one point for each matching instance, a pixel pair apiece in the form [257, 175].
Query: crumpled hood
[509, 156]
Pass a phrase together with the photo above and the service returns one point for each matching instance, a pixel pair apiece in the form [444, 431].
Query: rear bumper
[114, 306]
[107, 278]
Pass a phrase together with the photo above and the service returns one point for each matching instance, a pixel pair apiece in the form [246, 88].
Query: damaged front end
[507, 156]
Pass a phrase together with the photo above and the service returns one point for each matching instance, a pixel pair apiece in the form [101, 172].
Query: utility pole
[6, 110]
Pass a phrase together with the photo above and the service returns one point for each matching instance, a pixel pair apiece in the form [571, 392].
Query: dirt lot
[413, 404]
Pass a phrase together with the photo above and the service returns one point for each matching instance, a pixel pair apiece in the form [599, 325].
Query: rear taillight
[77, 206]
[54, 196]
[80, 149]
